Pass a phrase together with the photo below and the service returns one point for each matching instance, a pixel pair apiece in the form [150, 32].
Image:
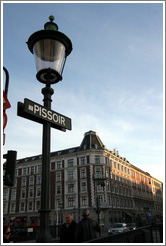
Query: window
[70, 175]
[107, 173]
[37, 205]
[111, 175]
[58, 177]
[99, 199]
[83, 186]
[97, 159]
[70, 202]
[31, 181]
[30, 192]
[106, 161]
[121, 168]
[39, 179]
[23, 193]
[12, 207]
[38, 192]
[13, 196]
[39, 168]
[59, 165]
[84, 201]
[98, 172]
[96, 146]
[5, 208]
[108, 186]
[25, 171]
[15, 182]
[5, 195]
[58, 189]
[22, 207]
[30, 206]
[32, 170]
[85, 146]
[118, 166]
[16, 172]
[70, 163]
[83, 161]
[24, 181]
[114, 164]
[59, 203]
[99, 187]
[70, 188]
[83, 173]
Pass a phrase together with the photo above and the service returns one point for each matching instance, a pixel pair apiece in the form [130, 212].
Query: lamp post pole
[50, 48]
[44, 235]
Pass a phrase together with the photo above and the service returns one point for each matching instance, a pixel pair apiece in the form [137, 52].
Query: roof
[91, 140]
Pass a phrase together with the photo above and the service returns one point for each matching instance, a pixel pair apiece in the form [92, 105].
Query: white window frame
[38, 191]
[21, 207]
[31, 189]
[12, 207]
[28, 206]
[23, 192]
[31, 180]
[84, 187]
[23, 181]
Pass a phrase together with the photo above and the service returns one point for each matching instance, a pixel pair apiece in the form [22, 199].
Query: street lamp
[50, 48]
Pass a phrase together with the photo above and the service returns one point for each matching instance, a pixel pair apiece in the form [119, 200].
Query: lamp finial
[51, 18]
[51, 25]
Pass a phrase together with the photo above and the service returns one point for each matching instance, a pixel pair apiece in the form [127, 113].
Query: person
[67, 232]
[6, 233]
[87, 229]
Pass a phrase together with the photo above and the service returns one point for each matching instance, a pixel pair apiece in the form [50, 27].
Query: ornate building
[87, 176]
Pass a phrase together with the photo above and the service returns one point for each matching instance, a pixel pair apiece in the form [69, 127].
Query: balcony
[99, 177]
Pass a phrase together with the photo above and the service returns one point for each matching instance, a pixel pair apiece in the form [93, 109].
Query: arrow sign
[6, 103]
[36, 112]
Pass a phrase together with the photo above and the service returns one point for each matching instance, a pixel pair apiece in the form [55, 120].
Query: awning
[21, 218]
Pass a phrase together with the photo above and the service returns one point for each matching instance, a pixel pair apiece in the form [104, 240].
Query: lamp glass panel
[49, 53]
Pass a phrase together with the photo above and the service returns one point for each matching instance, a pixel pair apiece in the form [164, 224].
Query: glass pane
[49, 54]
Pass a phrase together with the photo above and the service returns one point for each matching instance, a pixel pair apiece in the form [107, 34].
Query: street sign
[38, 113]
[6, 105]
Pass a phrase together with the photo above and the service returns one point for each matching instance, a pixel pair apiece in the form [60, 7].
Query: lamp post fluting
[50, 48]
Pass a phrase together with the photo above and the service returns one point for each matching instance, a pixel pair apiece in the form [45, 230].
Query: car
[131, 226]
[117, 228]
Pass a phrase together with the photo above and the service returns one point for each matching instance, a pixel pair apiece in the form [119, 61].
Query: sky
[112, 80]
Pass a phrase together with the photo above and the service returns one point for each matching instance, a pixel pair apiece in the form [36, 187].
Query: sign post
[49, 118]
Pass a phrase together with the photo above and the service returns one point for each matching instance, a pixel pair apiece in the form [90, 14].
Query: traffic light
[10, 166]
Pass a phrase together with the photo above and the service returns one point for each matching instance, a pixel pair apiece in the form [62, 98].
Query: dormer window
[85, 146]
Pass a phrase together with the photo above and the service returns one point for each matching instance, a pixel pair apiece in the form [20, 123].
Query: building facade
[88, 176]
